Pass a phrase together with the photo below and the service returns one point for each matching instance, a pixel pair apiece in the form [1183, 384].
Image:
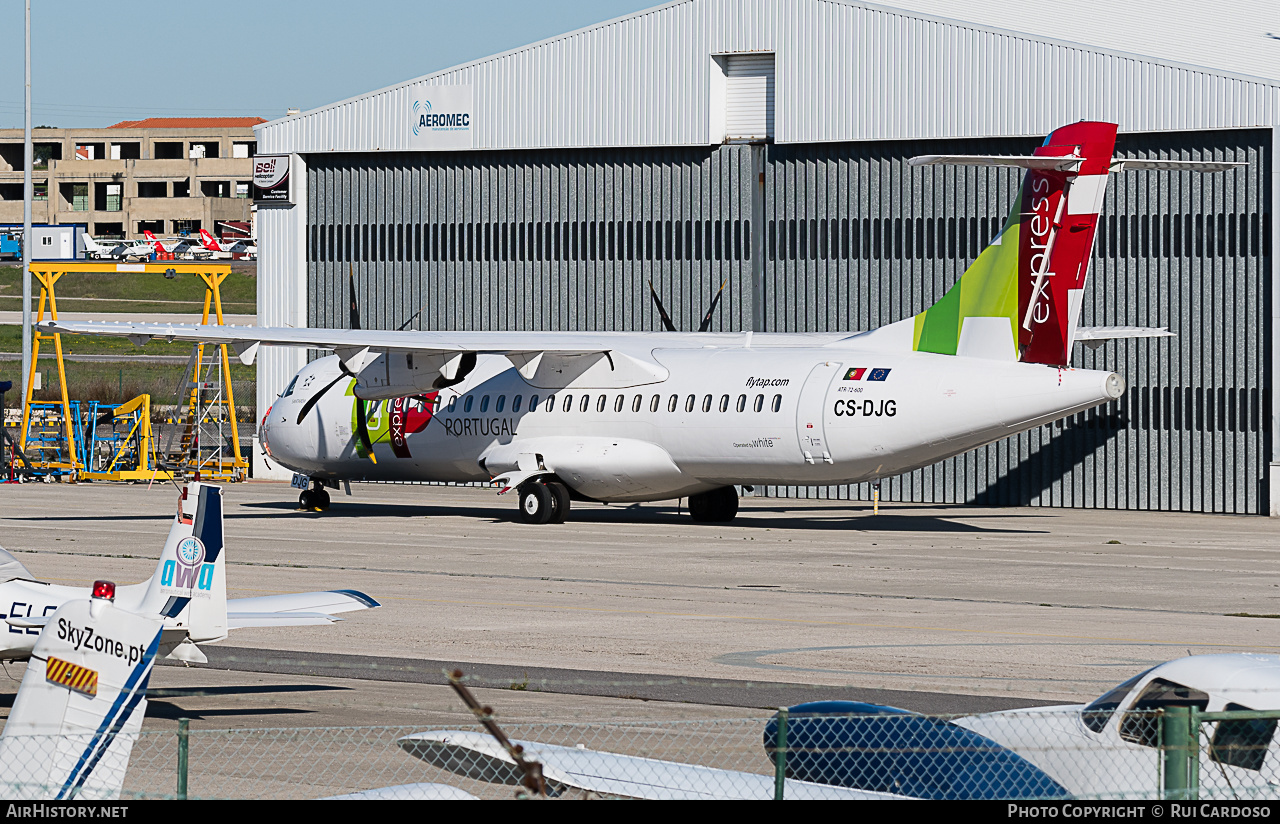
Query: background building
[765, 141]
[166, 175]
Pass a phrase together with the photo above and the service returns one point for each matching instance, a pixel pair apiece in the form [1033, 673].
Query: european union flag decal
[878, 374]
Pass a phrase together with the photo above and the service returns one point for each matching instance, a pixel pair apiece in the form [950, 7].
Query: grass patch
[11, 341]
[239, 291]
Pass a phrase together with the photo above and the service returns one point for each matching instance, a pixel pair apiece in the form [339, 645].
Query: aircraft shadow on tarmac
[773, 517]
[157, 707]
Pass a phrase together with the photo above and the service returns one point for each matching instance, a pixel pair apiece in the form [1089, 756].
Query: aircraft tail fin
[81, 704]
[209, 241]
[1030, 280]
[189, 587]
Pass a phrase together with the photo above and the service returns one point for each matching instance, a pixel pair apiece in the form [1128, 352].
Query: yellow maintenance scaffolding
[49, 430]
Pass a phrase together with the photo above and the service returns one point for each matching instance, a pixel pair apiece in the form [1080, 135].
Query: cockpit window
[289, 390]
[1140, 724]
[1096, 715]
[1242, 743]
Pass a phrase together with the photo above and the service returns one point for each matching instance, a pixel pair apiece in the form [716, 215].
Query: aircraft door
[810, 413]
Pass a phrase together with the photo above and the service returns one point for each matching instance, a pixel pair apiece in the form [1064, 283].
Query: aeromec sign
[440, 117]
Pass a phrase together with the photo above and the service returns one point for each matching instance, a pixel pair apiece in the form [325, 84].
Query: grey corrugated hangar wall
[853, 238]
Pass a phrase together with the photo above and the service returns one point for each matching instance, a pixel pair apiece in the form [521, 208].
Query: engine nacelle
[397, 374]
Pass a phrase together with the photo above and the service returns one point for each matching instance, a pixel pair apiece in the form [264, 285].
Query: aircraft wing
[353, 340]
[296, 609]
[477, 755]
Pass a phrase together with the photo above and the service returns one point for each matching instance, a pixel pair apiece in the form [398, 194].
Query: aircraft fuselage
[718, 412]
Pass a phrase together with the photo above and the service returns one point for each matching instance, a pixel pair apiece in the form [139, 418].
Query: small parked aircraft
[188, 591]
[1105, 749]
[116, 249]
[226, 250]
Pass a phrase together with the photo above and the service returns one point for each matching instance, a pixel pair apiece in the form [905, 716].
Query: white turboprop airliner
[187, 593]
[616, 416]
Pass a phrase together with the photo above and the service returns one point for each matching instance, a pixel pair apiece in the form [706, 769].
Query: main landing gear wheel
[560, 501]
[537, 504]
[316, 498]
[716, 506]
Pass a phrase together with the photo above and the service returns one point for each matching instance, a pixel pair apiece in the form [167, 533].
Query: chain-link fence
[1023, 754]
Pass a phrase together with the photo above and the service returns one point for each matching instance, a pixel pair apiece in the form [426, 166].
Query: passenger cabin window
[742, 403]
[484, 404]
[600, 403]
[1243, 743]
[586, 401]
[689, 402]
[551, 403]
[724, 403]
[1140, 723]
[502, 401]
[706, 404]
[777, 403]
[635, 403]
[453, 403]
[466, 403]
[653, 403]
[759, 404]
[1096, 715]
[568, 403]
[515, 403]
[671, 404]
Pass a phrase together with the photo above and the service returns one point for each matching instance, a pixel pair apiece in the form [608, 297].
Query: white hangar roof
[843, 70]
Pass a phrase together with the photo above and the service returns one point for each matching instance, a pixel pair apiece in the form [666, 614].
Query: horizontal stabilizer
[245, 620]
[331, 602]
[1142, 164]
[1072, 164]
[1046, 163]
[1095, 336]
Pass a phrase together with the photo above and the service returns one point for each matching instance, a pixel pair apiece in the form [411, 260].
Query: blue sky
[95, 63]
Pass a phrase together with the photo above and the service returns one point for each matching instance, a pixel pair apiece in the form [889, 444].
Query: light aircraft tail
[209, 242]
[1021, 298]
[189, 587]
[149, 235]
[81, 703]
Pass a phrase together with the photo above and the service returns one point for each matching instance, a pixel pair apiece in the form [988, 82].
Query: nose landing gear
[316, 498]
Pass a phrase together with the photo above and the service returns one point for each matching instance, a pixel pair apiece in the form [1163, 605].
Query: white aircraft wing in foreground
[81, 703]
[478, 756]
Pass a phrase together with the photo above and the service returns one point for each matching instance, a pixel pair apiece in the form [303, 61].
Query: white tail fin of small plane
[81, 703]
[189, 587]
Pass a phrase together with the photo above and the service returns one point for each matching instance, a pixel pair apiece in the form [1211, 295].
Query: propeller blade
[412, 318]
[706, 319]
[351, 293]
[307, 407]
[362, 429]
[662, 312]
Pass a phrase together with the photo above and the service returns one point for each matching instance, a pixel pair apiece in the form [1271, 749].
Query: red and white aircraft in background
[228, 249]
